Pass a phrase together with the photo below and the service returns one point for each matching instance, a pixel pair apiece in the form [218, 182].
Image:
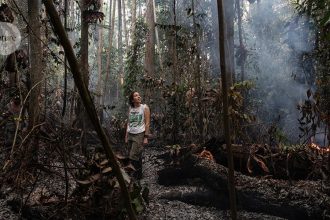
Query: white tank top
[136, 122]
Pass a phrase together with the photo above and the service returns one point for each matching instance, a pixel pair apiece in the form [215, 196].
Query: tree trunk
[157, 40]
[229, 40]
[328, 136]
[227, 127]
[125, 26]
[149, 62]
[112, 16]
[139, 8]
[133, 11]
[35, 62]
[120, 50]
[84, 68]
[197, 75]
[88, 102]
[150, 41]
[173, 52]
[242, 51]
[65, 61]
[99, 67]
[84, 43]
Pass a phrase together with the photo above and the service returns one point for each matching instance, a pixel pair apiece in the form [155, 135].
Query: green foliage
[312, 115]
[175, 112]
[318, 9]
[277, 136]
[137, 199]
[134, 62]
[237, 110]
[174, 149]
[291, 148]
[317, 108]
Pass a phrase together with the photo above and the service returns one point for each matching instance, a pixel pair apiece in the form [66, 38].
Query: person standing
[137, 132]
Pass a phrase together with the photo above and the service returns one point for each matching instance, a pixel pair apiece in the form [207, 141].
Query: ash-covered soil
[6, 211]
[159, 208]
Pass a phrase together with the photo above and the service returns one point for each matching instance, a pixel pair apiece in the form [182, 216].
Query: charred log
[172, 176]
[197, 196]
[295, 164]
[298, 200]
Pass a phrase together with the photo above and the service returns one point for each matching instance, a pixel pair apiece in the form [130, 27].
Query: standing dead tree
[225, 73]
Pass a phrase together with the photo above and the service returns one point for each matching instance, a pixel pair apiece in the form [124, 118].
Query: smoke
[277, 40]
[279, 60]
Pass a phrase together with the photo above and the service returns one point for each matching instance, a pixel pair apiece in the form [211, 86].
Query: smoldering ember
[199, 109]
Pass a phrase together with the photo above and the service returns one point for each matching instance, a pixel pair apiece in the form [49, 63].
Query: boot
[138, 166]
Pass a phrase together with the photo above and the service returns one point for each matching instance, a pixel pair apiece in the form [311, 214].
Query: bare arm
[126, 133]
[147, 120]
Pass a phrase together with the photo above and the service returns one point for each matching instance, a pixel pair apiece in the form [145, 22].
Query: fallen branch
[87, 101]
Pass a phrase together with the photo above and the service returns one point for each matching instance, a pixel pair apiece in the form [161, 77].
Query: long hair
[130, 99]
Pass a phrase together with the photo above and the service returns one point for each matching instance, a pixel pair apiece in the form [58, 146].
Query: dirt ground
[159, 208]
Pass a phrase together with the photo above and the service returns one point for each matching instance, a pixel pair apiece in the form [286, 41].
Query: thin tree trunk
[63, 110]
[99, 56]
[125, 26]
[65, 61]
[84, 67]
[133, 19]
[157, 39]
[224, 75]
[99, 68]
[111, 31]
[73, 18]
[174, 71]
[173, 46]
[139, 9]
[88, 102]
[35, 61]
[328, 137]
[229, 38]
[242, 51]
[240, 36]
[197, 75]
[120, 50]
[84, 43]
[73, 105]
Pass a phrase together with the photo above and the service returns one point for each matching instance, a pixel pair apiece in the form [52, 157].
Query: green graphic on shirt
[135, 120]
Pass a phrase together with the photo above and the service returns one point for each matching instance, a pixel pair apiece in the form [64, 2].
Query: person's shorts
[135, 146]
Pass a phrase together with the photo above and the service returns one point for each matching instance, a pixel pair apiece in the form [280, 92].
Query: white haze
[274, 51]
[274, 48]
